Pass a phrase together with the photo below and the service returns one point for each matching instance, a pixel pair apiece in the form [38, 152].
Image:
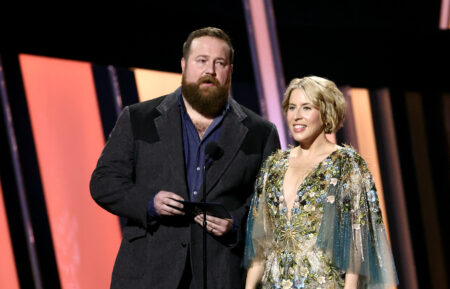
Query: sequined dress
[335, 226]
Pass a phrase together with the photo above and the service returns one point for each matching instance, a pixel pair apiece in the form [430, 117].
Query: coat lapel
[168, 125]
[231, 138]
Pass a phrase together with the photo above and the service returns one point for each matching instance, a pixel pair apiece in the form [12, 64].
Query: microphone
[213, 151]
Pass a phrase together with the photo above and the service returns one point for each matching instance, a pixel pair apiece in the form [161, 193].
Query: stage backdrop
[67, 132]
[8, 272]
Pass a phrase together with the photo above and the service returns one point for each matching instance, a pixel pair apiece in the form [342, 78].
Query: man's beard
[208, 101]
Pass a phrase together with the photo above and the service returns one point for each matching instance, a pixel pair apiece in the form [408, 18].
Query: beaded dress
[335, 226]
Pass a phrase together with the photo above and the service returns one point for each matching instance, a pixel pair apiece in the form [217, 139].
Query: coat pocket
[131, 233]
[131, 260]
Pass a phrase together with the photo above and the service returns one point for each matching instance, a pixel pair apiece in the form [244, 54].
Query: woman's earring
[327, 127]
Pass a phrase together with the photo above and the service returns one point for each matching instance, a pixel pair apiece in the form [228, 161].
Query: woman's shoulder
[349, 153]
[276, 157]
[351, 158]
[279, 154]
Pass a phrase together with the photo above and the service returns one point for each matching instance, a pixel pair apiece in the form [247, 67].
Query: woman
[315, 220]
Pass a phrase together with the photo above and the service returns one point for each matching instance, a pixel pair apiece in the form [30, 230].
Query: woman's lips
[299, 127]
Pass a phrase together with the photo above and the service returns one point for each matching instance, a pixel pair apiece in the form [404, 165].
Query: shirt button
[195, 193]
[198, 168]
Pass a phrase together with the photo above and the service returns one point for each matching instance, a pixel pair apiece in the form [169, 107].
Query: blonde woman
[315, 220]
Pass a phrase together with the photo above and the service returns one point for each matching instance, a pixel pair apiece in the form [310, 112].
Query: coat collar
[231, 138]
[168, 126]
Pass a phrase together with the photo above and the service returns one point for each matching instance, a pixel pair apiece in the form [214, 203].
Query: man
[154, 158]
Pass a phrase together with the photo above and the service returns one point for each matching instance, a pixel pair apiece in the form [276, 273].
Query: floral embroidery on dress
[335, 225]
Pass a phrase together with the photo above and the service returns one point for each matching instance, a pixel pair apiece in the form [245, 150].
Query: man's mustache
[208, 79]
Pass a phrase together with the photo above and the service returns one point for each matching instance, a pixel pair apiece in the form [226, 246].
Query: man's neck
[200, 121]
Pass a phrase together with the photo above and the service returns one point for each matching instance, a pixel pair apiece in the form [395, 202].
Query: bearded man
[154, 158]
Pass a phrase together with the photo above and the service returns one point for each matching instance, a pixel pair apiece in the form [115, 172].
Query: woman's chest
[306, 202]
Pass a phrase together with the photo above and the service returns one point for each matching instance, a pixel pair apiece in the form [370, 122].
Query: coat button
[183, 244]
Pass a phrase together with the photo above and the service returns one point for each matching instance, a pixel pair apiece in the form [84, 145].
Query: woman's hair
[211, 32]
[324, 95]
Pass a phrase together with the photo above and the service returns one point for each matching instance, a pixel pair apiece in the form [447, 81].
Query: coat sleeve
[112, 183]
[352, 232]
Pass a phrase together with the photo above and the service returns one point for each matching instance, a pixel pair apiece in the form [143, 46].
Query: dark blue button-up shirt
[194, 152]
[194, 149]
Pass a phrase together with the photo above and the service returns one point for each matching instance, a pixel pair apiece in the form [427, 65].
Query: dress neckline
[301, 184]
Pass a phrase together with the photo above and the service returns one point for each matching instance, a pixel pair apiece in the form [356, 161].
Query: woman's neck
[321, 145]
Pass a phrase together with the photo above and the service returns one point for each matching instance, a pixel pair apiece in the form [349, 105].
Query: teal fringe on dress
[335, 228]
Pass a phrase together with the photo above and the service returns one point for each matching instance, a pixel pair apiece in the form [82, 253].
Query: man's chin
[207, 90]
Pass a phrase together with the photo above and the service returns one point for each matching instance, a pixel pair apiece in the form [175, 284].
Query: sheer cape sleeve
[259, 234]
[352, 233]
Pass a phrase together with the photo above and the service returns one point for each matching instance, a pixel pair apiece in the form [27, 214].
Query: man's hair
[211, 32]
[324, 95]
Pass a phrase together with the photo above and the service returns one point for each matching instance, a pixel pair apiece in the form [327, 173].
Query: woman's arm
[351, 281]
[254, 275]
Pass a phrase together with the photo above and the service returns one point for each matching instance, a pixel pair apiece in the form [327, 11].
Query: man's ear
[183, 64]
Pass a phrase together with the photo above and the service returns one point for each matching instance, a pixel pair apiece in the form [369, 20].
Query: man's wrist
[151, 211]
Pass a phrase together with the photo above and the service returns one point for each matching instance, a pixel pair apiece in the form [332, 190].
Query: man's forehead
[207, 45]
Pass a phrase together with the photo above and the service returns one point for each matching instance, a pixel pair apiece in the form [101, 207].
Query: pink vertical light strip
[8, 272]
[444, 22]
[67, 131]
[268, 76]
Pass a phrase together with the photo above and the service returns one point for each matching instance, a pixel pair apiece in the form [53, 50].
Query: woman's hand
[254, 275]
[351, 281]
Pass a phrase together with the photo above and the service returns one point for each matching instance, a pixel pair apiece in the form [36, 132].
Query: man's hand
[166, 205]
[215, 226]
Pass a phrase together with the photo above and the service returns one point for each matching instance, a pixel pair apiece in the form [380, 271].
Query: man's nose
[210, 69]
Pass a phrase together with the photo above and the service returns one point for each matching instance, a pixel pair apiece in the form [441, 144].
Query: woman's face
[303, 118]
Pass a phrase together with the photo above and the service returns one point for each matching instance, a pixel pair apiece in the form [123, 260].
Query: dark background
[372, 44]
[361, 43]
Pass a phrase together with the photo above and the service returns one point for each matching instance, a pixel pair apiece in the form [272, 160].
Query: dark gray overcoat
[143, 155]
